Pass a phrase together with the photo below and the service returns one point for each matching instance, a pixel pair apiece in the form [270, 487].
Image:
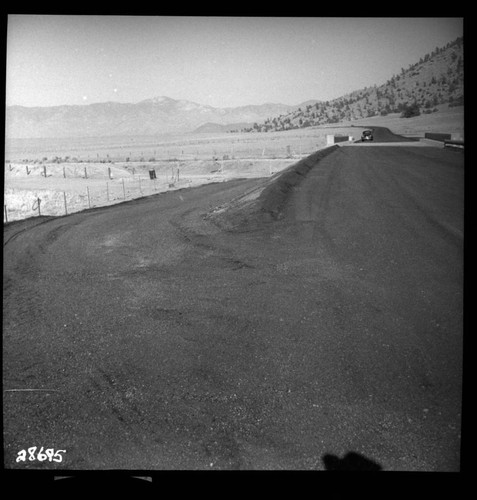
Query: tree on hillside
[410, 110]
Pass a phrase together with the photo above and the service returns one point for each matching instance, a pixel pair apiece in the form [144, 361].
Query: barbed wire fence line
[56, 203]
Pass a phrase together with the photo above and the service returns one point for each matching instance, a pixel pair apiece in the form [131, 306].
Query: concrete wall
[333, 139]
[437, 137]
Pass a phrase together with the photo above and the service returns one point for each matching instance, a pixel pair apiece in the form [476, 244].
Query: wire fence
[21, 204]
[57, 191]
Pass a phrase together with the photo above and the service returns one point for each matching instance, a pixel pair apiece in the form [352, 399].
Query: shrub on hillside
[410, 110]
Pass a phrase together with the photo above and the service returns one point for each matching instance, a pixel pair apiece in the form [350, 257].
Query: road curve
[383, 134]
[144, 336]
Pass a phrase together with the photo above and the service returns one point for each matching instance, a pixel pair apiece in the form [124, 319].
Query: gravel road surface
[144, 336]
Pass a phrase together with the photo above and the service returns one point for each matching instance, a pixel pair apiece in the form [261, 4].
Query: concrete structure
[333, 139]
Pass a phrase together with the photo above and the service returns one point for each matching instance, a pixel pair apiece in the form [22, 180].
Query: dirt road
[144, 336]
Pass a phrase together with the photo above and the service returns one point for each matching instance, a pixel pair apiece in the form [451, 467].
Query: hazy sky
[220, 61]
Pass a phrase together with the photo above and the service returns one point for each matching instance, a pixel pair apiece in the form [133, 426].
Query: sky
[218, 61]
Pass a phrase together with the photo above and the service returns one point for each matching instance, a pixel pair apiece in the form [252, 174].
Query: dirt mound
[265, 202]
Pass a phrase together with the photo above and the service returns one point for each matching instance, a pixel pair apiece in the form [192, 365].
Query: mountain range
[148, 117]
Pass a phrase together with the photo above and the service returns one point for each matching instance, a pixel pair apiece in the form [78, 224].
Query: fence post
[64, 198]
[140, 190]
[64, 172]
[37, 202]
[44, 171]
[28, 173]
[85, 173]
[6, 214]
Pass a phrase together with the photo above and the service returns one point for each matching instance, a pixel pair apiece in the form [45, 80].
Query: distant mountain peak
[157, 100]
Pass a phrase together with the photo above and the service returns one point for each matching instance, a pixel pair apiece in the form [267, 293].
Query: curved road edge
[266, 201]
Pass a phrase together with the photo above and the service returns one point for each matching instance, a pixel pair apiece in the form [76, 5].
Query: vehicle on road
[367, 135]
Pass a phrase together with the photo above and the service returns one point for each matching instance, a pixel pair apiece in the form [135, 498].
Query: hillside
[437, 78]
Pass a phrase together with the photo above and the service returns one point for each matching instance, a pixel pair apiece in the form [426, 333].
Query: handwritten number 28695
[48, 454]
